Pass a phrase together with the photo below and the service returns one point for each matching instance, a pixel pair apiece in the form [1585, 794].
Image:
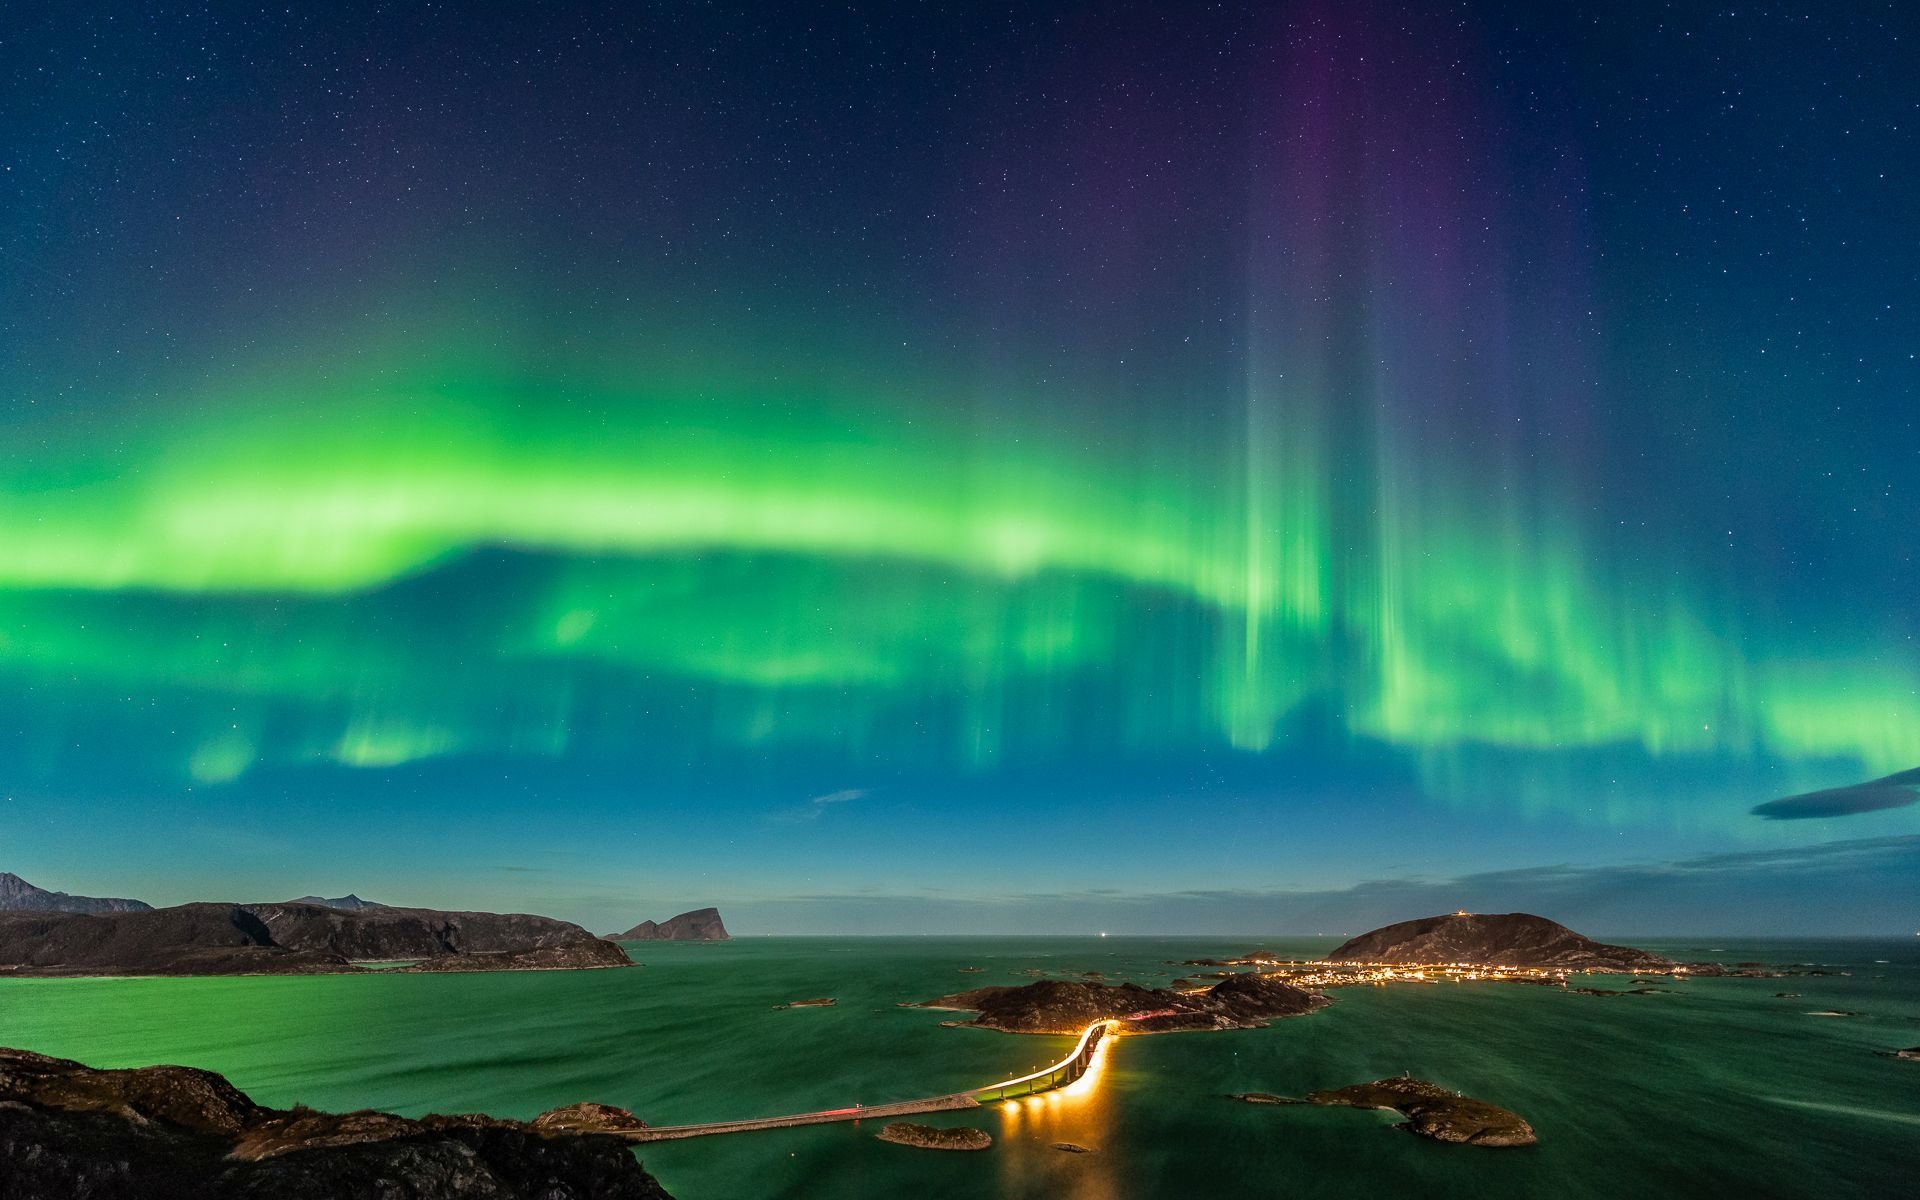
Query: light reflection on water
[1080, 1113]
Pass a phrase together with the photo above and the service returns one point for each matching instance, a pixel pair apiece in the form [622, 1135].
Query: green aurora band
[432, 553]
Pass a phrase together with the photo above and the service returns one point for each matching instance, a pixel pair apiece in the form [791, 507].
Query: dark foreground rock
[287, 939]
[927, 1137]
[70, 1132]
[1064, 1006]
[1434, 1112]
[1494, 939]
[700, 925]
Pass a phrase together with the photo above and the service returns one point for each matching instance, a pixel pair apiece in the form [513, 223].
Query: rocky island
[1431, 1111]
[174, 1133]
[699, 925]
[1059, 1006]
[290, 939]
[1495, 939]
[928, 1137]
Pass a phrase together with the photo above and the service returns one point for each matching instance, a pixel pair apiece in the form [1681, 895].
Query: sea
[1712, 1087]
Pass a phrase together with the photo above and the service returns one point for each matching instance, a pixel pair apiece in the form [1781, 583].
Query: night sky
[892, 467]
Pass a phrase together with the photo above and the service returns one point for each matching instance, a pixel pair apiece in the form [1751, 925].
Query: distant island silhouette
[697, 925]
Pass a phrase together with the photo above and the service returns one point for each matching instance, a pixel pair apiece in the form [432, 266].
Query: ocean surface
[1719, 1088]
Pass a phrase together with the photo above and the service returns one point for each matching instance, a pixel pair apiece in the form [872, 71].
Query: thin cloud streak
[812, 809]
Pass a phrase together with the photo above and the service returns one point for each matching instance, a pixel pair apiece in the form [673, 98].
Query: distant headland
[698, 925]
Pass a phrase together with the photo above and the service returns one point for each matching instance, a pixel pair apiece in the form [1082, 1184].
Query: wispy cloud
[1894, 791]
[814, 808]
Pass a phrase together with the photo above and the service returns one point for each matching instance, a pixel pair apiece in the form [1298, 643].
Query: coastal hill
[17, 895]
[1494, 939]
[299, 939]
[700, 925]
[175, 1132]
[1064, 1006]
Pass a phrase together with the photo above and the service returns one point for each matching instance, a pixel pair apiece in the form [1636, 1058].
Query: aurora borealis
[1333, 422]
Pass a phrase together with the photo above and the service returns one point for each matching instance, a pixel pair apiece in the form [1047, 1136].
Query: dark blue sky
[1315, 458]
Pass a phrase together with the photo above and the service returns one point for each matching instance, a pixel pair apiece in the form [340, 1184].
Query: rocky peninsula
[291, 939]
[174, 1133]
[1057, 1006]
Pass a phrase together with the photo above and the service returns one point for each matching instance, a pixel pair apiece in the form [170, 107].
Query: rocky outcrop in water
[927, 1137]
[588, 1117]
[70, 1132]
[1434, 1112]
[17, 895]
[282, 939]
[1494, 939]
[700, 925]
[1065, 1006]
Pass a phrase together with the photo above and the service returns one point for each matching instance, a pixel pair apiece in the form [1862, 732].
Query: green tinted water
[1721, 1087]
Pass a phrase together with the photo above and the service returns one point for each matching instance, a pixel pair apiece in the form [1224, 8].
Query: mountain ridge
[243, 939]
[17, 895]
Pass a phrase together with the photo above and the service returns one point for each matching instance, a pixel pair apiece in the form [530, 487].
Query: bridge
[1059, 1075]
